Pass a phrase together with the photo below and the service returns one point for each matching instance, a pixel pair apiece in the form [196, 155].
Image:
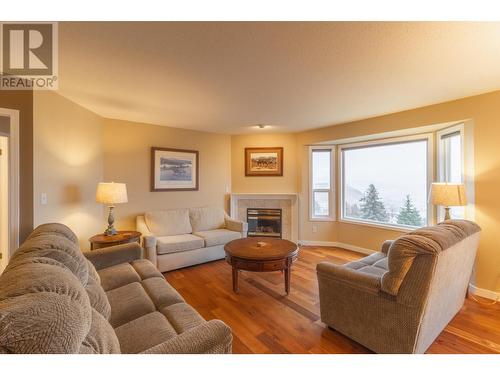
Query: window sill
[379, 226]
[321, 219]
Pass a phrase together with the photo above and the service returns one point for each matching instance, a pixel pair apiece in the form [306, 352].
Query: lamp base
[110, 231]
[447, 213]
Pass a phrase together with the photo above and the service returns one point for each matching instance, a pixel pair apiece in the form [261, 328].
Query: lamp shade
[111, 193]
[444, 194]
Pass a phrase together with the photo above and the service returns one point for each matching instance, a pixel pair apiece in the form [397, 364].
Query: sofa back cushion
[57, 242]
[98, 299]
[56, 229]
[206, 218]
[168, 222]
[412, 253]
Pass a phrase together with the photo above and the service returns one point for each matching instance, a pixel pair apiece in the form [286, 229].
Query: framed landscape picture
[173, 170]
[264, 161]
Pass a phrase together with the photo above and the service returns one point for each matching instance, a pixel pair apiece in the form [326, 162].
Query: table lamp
[446, 194]
[111, 193]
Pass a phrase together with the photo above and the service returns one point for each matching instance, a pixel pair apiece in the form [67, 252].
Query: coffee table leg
[287, 279]
[235, 280]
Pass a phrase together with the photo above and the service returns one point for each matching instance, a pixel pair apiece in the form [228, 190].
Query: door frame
[13, 155]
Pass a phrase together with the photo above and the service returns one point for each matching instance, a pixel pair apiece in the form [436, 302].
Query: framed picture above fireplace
[264, 161]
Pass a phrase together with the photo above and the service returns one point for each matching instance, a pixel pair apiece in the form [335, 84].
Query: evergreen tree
[352, 210]
[408, 214]
[372, 207]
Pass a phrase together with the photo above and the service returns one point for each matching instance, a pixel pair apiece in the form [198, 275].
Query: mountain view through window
[386, 183]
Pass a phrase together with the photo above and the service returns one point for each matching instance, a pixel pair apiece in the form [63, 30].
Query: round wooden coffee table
[261, 254]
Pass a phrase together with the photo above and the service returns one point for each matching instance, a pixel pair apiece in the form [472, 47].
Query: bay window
[386, 182]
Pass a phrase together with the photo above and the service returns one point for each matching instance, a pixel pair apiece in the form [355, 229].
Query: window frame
[428, 137]
[441, 160]
[331, 191]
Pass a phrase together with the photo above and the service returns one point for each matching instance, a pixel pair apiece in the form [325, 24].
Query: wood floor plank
[264, 320]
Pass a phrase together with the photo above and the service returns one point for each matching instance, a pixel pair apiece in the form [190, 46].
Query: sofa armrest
[148, 239]
[113, 255]
[355, 279]
[212, 337]
[386, 245]
[237, 226]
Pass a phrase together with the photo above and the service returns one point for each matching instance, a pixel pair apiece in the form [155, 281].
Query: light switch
[315, 229]
[43, 198]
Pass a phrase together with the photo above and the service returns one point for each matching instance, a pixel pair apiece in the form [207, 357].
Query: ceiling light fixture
[262, 126]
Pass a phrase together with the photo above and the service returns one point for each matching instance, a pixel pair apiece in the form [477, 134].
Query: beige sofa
[400, 299]
[184, 237]
[53, 299]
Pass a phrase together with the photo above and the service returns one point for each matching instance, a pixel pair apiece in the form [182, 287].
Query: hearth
[264, 222]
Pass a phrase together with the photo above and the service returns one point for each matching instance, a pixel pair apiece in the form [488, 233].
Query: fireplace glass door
[264, 222]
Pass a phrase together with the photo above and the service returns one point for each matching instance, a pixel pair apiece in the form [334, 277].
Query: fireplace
[264, 222]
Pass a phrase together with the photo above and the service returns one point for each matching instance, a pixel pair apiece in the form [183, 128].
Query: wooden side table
[123, 236]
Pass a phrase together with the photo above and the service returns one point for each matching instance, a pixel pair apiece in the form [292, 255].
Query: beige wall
[127, 153]
[68, 164]
[484, 113]
[279, 184]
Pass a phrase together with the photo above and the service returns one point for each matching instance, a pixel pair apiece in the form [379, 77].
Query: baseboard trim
[485, 293]
[317, 243]
[346, 246]
[357, 249]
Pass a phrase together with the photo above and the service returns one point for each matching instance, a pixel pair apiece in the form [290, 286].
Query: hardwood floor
[264, 320]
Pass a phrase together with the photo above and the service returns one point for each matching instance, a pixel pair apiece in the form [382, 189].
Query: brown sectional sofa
[53, 299]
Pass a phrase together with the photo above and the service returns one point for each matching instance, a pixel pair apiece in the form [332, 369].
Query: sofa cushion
[145, 269]
[128, 302]
[168, 222]
[218, 236]
[116, 276]
[382, 263]
[367, 261]
[161, 292]
[101, 338]
[207, 218]
[182, 316]
[373, 270]
[144, 333]
[58, 248]
[43, 309]
[93, 272]
[181, 242]
[98, 299]
[56, 229]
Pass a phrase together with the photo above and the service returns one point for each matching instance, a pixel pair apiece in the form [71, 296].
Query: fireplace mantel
[273, 200]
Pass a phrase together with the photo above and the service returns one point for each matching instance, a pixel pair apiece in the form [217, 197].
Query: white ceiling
[225, 77]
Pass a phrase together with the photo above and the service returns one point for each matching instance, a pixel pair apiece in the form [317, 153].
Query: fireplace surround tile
[288, 203]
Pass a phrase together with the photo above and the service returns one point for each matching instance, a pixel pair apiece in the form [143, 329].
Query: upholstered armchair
[399, 300]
